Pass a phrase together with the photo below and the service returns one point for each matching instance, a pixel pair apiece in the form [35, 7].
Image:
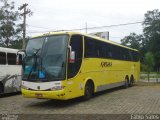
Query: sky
[50, 15]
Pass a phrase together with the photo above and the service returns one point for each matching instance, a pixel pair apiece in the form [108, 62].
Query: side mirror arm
[22, 50]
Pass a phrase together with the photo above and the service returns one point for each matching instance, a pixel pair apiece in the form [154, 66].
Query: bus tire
[126, 84]
[131, 81]
[1, 88]
[89, 90]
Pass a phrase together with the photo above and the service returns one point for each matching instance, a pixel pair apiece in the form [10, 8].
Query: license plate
[38, 95]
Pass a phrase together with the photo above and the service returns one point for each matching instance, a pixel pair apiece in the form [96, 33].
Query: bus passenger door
[73, 76]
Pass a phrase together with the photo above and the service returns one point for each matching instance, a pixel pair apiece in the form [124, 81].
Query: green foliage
[150, 40]
[152, 33]
[143, 67]
[136, 42]
[149, 61]
[152, 23]
[133, 41]
[16, 44]
[9, 28]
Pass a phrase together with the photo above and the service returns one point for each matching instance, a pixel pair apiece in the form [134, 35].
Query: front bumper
[58, 94]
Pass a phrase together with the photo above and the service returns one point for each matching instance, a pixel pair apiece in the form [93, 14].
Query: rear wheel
[1, 88]
[126, 84]
[89, 90]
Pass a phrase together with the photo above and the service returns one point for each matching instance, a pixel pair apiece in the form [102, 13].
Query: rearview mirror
[17, 59]
[72, 57]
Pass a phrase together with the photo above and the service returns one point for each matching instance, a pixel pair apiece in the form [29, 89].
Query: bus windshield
[46, 58]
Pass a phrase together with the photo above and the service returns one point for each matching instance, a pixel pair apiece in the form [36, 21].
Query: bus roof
[91, 36]
[8, 50]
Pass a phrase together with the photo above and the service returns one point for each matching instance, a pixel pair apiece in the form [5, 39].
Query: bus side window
[89, 48]
[135, 56]
[77, 46]
[99, 49]
[115, 52]
[11, 58]
[109, 52]
[94, 48]
[2, 58]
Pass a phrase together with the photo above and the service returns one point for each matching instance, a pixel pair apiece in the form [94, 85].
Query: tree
[149, 62]
[150, 40]
[151, 23]
[133, 40]
[152, 33]
[136, 42]
[9, 27]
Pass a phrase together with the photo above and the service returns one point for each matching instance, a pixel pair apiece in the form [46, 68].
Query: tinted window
[115, 52]
[11, 57]
[99, 49]
[94, 48]
[135, 56]
[125, 54]
[109, 52]
[2, 58]
[77, 46]
[89, 48]
[33, 45]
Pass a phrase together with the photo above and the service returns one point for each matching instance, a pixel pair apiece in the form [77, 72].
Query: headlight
[57, 87]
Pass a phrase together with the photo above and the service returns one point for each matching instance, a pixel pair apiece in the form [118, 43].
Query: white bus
[10, 70]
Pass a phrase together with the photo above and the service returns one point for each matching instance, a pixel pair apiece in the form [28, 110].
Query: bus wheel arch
[126, 82]
[89, 89]
[1, 87]
[131, 81]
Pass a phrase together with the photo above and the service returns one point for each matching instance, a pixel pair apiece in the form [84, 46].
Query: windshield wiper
[36, 51]
[34, 66]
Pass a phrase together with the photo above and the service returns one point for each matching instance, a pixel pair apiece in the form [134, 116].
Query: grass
[150, 72]
[146, 77]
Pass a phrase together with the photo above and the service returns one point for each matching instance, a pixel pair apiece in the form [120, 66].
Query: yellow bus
[66, 65]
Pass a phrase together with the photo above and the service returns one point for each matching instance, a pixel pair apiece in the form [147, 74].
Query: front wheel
[131, 81]
[88, 93]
